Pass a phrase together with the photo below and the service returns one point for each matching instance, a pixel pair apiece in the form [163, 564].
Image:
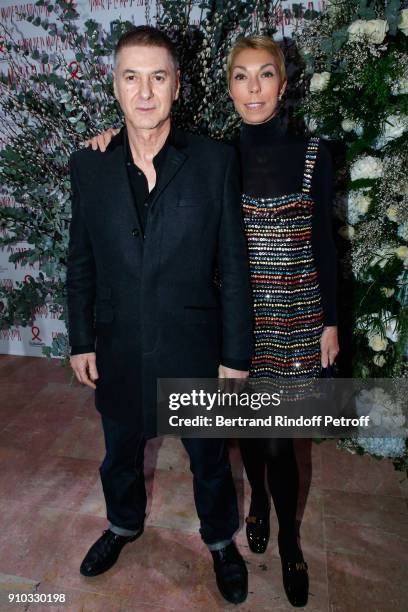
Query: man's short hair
[147, 36]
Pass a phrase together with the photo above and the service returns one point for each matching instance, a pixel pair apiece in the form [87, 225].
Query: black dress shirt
[138, 181]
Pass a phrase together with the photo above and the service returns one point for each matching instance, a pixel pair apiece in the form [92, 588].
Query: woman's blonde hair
[258, 41]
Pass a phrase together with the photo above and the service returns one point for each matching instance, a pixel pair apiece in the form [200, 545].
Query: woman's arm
[324, 252]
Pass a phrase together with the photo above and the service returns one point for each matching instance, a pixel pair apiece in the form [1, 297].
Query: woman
[286, 205]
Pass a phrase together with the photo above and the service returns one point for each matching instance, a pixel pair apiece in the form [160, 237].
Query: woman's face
[255, 85]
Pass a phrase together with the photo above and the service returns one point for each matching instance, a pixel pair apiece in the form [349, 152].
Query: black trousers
[124, 486]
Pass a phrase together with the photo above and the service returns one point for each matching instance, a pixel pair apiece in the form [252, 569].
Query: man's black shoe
[105, 552]
[296, 581]
[231, 573]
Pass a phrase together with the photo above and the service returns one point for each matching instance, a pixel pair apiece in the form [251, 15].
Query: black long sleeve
[273, 164]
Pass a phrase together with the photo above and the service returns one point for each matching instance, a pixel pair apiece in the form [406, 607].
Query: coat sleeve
[81, 274]
[233, 266]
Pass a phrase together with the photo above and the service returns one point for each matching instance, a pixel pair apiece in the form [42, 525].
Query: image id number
[36, 597]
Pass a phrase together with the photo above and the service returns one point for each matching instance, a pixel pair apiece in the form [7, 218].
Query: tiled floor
[354, 530]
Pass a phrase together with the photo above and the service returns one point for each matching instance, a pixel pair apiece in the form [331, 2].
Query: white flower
[379, 360]
[357, 206]
[402, 253]
[376, 30]
[347, 232]
[403, 24]
[348, 125]
[372, 29]
[393, 127]
[383, 447]
[400, 87]
[366, 167]
[385, 412]
[376, 341]
[403, 231]
[392, 214]
[356, 29]
[319, 81]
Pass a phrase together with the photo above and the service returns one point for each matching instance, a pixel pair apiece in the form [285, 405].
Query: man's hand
[102, 140]
[224, 372]
[329, 345]
[84, 366]
[231, 386]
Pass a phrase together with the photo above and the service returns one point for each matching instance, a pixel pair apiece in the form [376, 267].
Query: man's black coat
[149, 302]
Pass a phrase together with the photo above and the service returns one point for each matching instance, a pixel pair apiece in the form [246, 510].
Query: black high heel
[257, 532]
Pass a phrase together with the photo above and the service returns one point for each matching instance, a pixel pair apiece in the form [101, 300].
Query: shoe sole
[106, 568]
[234, 601]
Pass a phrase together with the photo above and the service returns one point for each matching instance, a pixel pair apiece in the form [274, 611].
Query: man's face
[146, 84]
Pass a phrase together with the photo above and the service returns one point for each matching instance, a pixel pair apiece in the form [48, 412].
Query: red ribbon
[75, 68]
[35, 331]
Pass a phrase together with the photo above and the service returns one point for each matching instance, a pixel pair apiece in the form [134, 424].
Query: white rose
[375, 30]
[359, 129]
[348, 125]
[379, 360]
[377, 342]
[347, 232]
[319, 81]
[392, 214]
[394, 127]
[356, 29]
[366, 167]
[372, 29]
[399, 87]
[403, 24]
[403, 231]
[358, 205]
[402, 253]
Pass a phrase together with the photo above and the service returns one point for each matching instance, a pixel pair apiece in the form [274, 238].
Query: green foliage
[363, 102]
[50, 113]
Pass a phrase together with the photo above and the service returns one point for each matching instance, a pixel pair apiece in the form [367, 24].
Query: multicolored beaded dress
[286, 293]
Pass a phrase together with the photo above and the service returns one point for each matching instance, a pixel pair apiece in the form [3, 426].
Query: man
[151, 220]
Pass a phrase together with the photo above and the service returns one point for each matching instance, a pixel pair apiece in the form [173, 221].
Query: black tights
[278, 457]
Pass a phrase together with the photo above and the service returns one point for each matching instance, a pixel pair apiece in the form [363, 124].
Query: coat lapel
[173, 161]
[116, 185]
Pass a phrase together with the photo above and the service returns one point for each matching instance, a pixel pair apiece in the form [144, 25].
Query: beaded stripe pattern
[287, 302]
